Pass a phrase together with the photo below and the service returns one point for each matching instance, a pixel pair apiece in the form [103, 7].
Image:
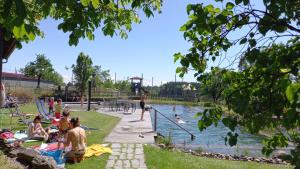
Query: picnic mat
[48, 147]
[96, 150]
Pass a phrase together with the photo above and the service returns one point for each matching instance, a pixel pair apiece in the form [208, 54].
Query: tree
[123, 85]
[82, 71]
[100, 75]
[214, 83]
[265, 93]
[208, 29]
[42, 69]
[19, 19]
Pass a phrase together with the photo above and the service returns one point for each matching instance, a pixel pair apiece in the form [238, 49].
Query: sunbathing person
[36, 131]
[77, 139]
[64, 126]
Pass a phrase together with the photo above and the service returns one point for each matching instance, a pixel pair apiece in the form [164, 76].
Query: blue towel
[57, 155]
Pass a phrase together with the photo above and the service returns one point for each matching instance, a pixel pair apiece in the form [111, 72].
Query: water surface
[211, 139]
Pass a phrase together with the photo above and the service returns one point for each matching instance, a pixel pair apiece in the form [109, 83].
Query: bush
[23, 94]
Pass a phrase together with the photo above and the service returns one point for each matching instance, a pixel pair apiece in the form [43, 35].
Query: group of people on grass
[70, 135]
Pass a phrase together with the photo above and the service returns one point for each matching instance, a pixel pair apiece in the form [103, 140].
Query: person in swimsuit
[76, 137]
[64, 125]
[36, 131]
[142, 105]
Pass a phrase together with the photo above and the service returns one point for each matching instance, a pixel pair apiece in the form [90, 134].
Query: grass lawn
[157, 158]
[92, 119]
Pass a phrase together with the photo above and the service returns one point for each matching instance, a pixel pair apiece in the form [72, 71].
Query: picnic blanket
[96, 150]
[48, 147]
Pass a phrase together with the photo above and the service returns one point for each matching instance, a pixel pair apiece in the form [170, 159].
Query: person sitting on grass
[36, 131]
[64, 125]
[76, 137]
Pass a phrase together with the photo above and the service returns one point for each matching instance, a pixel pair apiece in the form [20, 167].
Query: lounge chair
[41, 108]
[16, 112]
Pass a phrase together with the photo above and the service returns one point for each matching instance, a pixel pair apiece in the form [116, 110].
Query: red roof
[7, 75]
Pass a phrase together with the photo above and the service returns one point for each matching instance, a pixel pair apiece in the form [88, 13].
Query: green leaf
[19, 31]
[183, 28]
[85, 2]
[31, 36]
[246, 2]
[90, 35]
[251, 34]
[213, 58]
[252, 42]
[291, 90]
[210, 8]
[238, 1]
[177, 56]
[95, 3]
[243, 41]
[217, 10]
[229, 6]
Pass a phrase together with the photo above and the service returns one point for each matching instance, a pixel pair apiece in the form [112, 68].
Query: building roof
[136, 78]
[18, 76]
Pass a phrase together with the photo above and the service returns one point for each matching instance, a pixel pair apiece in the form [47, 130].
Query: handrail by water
[155, 123]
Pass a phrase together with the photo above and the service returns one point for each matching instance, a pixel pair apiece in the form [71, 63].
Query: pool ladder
[155, 123]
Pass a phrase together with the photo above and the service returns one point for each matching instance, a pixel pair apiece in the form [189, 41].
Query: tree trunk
[1, 60]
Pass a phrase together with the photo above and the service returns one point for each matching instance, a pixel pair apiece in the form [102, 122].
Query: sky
[148, 50]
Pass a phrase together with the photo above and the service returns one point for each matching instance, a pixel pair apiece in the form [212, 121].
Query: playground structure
[136, 85]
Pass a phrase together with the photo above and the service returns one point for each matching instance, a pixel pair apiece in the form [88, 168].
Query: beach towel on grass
[96, 150]
[48, 147]
[57, 155]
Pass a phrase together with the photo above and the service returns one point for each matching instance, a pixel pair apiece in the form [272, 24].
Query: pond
[211, 139]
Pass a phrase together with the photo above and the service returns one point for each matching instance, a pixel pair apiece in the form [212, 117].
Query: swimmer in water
[178, 119]
[174, 108]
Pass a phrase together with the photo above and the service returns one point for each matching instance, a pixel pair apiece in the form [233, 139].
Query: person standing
[51, 105]
[142, 104]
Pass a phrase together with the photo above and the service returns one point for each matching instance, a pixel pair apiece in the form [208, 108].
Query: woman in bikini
[76, 137]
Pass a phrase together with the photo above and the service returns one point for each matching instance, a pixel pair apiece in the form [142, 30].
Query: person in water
[36, 131]
[178, 119]
[76, 137]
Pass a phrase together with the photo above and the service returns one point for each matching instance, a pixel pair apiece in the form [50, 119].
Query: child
[58, 108]
[36, 131]
[64, 125]
[51, 105]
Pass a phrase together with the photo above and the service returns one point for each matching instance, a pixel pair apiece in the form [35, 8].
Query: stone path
[126, 156]
[127, 140]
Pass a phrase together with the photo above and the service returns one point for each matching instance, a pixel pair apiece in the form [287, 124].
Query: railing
[155, 123]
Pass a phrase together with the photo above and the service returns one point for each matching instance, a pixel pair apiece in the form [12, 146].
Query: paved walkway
[126, 156]
[127, 140]
[130, 129]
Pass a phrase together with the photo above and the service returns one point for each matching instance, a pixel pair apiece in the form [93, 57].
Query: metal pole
[89, 99]
[152, 81]
[115, 77]
[155, 120]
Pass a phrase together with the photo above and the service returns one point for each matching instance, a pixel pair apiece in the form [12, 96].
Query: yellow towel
[96, 150]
